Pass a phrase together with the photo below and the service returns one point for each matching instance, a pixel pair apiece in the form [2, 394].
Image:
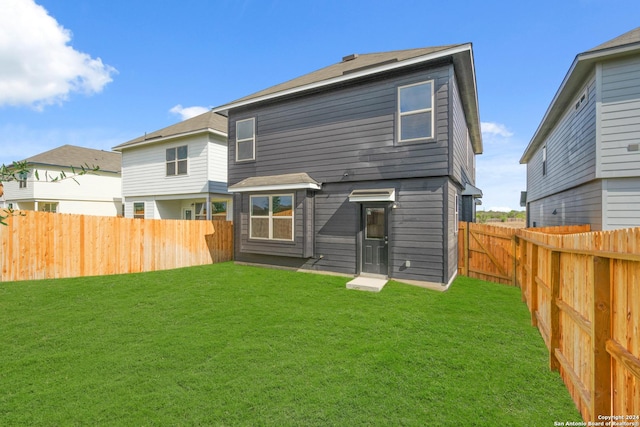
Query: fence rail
[583, 292]
[42, 245]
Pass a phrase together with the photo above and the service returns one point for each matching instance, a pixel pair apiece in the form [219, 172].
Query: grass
[237, 345]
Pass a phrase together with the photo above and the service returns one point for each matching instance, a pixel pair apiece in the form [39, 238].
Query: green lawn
[237, 345]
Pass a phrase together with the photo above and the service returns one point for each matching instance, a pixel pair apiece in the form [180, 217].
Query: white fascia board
[276, 187]
[169, 137]
[350, 76]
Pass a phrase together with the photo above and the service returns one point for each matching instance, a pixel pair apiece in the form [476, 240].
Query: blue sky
[97, 73]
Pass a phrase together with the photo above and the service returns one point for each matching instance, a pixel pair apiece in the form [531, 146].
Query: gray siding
[622, 203]
[345, 134]
[417, 228]
[450, 233]
[346, 138]
[462, 153]
[416, 232]
[580, 205]
[620, 118]
[571, 151]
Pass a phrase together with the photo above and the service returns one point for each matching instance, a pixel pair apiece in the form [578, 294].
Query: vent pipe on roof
[349, 57]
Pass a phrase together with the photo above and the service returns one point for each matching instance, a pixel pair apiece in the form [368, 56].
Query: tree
[18, 171]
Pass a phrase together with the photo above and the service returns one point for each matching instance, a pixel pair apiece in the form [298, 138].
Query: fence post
[601, 332]
[554, 310]
[533, 285]
[514, 246]
[466, 250]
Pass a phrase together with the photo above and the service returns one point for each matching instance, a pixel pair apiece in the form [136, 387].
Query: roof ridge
[347, 65]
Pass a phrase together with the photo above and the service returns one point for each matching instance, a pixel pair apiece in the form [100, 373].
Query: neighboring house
[94, 193]
[358, 167]
[583, 163]
[179, 172]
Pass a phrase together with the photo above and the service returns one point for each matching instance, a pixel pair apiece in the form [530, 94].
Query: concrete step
[370, 284]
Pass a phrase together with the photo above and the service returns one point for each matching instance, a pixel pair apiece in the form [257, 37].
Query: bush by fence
[42, 245]
[583, 292]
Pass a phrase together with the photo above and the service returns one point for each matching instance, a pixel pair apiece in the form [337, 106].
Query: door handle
[386, 240]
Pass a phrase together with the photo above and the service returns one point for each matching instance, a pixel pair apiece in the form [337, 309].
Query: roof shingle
[208, 120]
[74, 156]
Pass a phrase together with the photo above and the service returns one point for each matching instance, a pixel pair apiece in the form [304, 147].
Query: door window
[375, 224]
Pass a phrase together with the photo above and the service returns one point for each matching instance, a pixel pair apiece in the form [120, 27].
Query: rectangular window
[138, 210]
[544, 160]
[22, 183]
[201, 211]
[48, 207]
[271, 217]
[176, 158]
[374, 229]
[415, 112]
[245, 140]
[219, 209]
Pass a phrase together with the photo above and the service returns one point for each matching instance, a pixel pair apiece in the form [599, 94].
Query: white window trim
[166, 162]
[252, 139]
[424, 110]
[271, 216]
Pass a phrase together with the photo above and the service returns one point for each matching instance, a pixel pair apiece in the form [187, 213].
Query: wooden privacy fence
[488, 252]
[42, 245]
[583, 292]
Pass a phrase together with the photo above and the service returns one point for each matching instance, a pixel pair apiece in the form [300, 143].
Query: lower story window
[219, 209]
[271, 217]
[48, 207]
[138, 210]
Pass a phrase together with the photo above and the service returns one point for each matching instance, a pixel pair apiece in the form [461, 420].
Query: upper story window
[415, 112]
[271, 217]
[246, 139]
[177, 160]
[582, 99]
[544, 160]
[22, 179]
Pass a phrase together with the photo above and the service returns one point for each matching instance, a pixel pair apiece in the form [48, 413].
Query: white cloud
[495, 129]
[188, 112]
[38, 67]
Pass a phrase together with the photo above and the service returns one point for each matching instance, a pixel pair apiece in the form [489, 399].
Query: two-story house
[358, 167]
[583, 162]
[42, 189]
[178, 172]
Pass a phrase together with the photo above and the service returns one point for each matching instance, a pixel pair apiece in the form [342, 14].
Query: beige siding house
[95, 193]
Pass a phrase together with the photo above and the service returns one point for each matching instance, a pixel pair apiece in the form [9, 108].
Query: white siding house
[179, 172]
[583, 163]
[94, 193]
